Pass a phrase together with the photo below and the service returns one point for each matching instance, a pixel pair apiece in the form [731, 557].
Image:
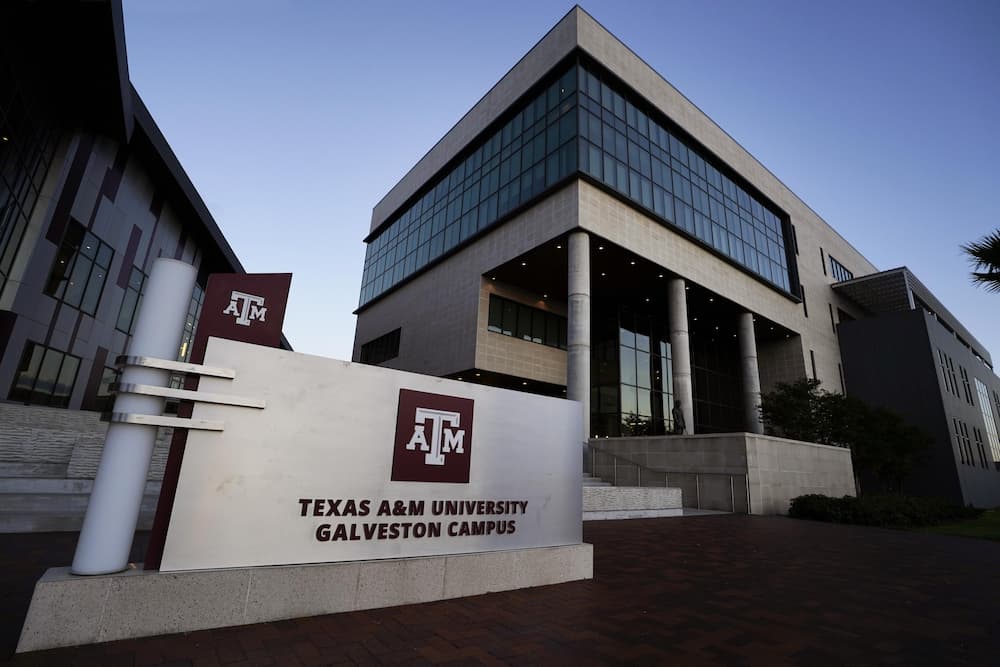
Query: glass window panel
[48, 375]
[31, 361]
[552, 330]
[642, 369]
[524, 322]
[628, 400]
[509, 318]
[626, 363]
[643, 403]
[64, 385]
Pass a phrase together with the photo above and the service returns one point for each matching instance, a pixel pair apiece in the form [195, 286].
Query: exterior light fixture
[632, 262]
[600, 247]
[558, 247]
[660, 276]
[524, 263]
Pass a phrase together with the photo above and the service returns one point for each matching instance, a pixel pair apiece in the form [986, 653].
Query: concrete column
[751, 375]
[578, 326]
[109, 524]
[680, 350]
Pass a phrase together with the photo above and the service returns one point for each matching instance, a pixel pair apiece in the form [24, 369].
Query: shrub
[893, 510]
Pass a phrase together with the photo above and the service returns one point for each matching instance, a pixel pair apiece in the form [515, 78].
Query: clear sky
[293, 118]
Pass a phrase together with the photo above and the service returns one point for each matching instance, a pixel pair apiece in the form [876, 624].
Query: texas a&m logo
[245, 307]
[433, 438]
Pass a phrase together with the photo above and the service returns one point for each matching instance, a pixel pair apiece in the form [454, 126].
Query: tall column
[113, 510]
[751, 375]
[578, 326]
[680, 350]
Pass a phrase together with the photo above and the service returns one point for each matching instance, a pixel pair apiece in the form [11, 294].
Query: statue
[678, 414]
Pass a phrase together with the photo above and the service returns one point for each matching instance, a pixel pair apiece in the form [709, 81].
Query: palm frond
[984, 255]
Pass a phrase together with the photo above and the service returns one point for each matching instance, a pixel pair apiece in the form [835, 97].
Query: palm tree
[984, 255]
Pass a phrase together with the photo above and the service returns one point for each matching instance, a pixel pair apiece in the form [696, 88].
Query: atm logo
[245, 308]
[433, 438]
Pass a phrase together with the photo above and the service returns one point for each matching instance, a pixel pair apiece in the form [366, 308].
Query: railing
[701, 490]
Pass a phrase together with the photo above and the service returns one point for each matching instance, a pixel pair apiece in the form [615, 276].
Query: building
[585, 230]
[90, 195]
[911, 355]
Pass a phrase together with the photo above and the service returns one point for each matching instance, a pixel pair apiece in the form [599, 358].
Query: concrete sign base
[68, 610]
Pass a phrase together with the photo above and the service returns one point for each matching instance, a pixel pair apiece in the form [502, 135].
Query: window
[45, 376]
[839, 271]
[105, 399]
[531, 324]
[131, 301]
[381, 349]
[989, 420]
[805, 306]
[948, 373]
[80, 269]
[979, 446]
[965, 383]
[191, 323]
[833, 321]
[822, 260]
[812, 359]
[966, 444]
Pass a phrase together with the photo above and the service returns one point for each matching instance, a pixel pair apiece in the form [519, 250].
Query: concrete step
[630, 502]
[590, 480]
[51, 505]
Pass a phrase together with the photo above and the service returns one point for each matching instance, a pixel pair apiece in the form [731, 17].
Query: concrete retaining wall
[739, 472]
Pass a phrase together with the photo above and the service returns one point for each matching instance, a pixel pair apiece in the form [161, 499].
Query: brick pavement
[730, 590]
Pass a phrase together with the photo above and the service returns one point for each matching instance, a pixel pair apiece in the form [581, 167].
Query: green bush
[879, 510]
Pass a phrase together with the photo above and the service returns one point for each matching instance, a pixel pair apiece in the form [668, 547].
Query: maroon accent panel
[60, 217]
[168, 488]
[179, 250]
[224, 307]
[94, 379]
[129, 259]
[113, 176]
[7, 320]
[444, 433]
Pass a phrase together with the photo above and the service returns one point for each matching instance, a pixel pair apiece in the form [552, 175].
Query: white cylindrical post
[751, 375]
[578, 326]
[680, 349]
[113, 510]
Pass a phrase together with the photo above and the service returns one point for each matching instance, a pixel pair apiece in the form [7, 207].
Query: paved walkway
[729, 590]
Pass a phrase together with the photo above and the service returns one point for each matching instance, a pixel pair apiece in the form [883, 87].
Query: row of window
[47, 376]
[966, 453]
[839, 271]
[582, 122]
[534, 150]
[383, 348]
[532, 324]
[628, 150]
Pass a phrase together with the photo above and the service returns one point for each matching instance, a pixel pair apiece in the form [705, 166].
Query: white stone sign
[351, 462]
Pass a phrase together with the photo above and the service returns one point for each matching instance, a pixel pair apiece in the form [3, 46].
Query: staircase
[604, 500]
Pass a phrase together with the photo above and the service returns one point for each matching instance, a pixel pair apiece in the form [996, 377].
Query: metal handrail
[653, 476]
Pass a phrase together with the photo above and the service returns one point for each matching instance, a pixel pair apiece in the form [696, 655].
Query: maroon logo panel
[247, 307]
[433, 438]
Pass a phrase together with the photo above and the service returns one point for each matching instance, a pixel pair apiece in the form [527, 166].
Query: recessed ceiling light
[695, 319]
[558, 247]
[600, 247]
[545, 296]
[524, 263]
[459, 379]
[632, 262]
[716, 328]
[647, 299]
[525, 384]
[710, 299]
[603, 274]
[660, 276]
[493, 278]
[477, 374]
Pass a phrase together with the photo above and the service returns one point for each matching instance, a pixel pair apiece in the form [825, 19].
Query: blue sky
[293, 118]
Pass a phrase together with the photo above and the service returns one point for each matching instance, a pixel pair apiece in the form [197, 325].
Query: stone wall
[48, 459]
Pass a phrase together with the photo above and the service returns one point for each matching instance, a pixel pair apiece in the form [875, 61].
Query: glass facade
[632, 374]
[583, 122]
[27, 145]
[631, 152]
[532, 151]
[992, 433]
